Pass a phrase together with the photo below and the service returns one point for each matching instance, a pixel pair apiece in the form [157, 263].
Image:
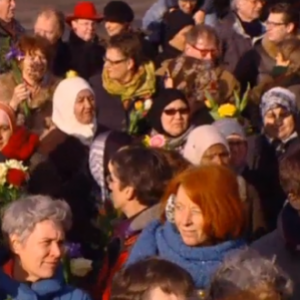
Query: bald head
[50, 24]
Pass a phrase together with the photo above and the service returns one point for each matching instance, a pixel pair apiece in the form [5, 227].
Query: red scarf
[21, 145]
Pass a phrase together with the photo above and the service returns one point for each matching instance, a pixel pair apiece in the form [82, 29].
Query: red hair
[215, 190]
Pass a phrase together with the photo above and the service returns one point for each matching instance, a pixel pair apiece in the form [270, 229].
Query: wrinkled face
[84, 29]
[113, 28]
[175, 118]
[249, 9]
[41, 252]
[84, 108]
[205, 49]
[277, 29]
[279, 123]
[116, 64]
[47, 28]
[5, 129]
[187, 6]
[34, 65]
[7, 10]
[119, 194]
[188, 219]
[216, 154]
[238, 150]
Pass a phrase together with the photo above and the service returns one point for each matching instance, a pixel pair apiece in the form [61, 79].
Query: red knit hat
[84, 10]
[11, 115]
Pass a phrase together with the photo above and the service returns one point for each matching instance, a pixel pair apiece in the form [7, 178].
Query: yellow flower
[146, 140]
[227, 110]
[71, 74]
[138, 105]
[207, 103]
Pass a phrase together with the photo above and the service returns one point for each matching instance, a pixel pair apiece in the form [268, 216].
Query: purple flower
[73, 250]
[14, 53]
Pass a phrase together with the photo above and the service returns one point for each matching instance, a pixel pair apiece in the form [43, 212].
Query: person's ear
[130, 64]
[129, 192]
[290, 28]
[14, 243]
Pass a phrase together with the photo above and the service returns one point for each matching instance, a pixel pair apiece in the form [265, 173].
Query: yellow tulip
[207, 103]
[227, 110]
[138, 105]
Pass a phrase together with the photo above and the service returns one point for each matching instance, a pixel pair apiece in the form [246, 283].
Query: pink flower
[157, 141]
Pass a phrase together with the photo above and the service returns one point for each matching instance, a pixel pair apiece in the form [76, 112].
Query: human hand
[20, 94]
[199, 17]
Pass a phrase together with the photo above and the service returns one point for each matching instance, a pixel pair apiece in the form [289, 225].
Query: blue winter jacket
[47, 289]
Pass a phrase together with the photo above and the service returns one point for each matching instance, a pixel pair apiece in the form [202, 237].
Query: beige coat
[40, 105]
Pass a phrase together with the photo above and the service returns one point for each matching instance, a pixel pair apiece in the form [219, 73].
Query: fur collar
[8, 83]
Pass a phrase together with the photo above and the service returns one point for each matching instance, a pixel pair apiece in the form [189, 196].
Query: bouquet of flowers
[227, 110]
[13, 174]
[138, 112]
[15, 56]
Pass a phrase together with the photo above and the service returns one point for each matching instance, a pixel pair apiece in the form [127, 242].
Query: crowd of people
[156, 163]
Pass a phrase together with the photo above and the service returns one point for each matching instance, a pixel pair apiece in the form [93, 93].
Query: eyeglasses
[273, 24]
[113, 62]
[174, 111]
[204, 52]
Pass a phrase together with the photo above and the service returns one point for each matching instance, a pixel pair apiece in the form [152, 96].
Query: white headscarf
[63, 109]
[199, 140]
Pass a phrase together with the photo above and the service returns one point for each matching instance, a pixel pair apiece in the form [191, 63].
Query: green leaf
[245, 98]
[211, 100]
[236, 99]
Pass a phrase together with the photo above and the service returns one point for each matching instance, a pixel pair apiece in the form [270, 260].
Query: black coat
[110, 110]
[86, 58]
[63, 173]
[62, 60]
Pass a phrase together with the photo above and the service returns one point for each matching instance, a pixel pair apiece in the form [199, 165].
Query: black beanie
[163, 99]
[175, 21]
[118, 12]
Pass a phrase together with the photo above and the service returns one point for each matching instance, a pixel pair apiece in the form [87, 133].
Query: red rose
[16, 177]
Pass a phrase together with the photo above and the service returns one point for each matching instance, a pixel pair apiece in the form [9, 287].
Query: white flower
[80, 267]
[15, 164]
[3, 173]
[147, 104]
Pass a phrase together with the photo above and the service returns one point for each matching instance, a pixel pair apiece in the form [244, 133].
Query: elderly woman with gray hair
[247, 276]
[34, 230]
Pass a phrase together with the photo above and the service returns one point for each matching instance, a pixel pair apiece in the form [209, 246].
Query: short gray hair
[21, 216]
[245, 273]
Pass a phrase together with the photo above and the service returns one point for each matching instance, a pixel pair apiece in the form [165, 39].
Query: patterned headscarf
[278, 97]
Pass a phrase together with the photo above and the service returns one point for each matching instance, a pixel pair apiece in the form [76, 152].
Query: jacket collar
[238, 28]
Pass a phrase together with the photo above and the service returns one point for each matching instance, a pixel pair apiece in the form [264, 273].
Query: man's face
[204, 49]
[84, 29]
[277, 29]
[7, 10]
[249, 9]
[47, 28]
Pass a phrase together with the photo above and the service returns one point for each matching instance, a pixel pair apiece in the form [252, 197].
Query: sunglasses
[174, 111]
[204, 52]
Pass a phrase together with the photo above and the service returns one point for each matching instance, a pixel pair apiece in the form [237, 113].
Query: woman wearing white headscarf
[64, 171]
